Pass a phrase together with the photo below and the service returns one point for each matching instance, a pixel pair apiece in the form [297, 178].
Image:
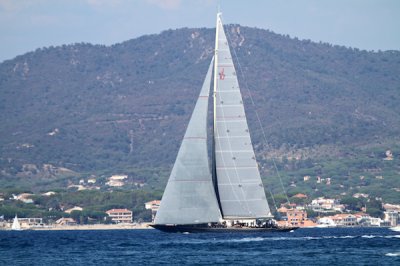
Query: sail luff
[240, 188]
[189, 197]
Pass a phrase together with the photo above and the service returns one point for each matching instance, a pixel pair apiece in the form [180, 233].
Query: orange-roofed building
[300, 196]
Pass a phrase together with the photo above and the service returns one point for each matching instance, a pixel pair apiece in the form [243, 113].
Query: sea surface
[314, 246]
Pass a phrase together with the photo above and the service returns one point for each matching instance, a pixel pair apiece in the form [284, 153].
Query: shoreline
[88, 227]
[142, 226]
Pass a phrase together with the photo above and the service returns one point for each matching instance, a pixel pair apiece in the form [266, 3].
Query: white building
[120, 215]
[392, 217]
[116, 180]
[118, 177]
[153, 206]
[30, 222]
[75, 208]
[338, 220]
[326, 205]
[115, 183]
[326, 222]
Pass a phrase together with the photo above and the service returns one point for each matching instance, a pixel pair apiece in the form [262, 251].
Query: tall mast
[214, 163]
[216, 67]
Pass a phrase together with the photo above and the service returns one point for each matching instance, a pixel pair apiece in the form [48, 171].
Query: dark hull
[208, 229]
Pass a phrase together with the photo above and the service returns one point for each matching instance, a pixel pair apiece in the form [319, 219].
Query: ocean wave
[258, 239]
[249, 239]
[338, 237]
[369, 236]
[324, 237]
[380, 236]
[283, 238]
[396, 254]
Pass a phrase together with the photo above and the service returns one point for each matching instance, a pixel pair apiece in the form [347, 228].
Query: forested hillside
[82, 110]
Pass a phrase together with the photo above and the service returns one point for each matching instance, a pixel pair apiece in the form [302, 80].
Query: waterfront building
[296, 217]
[30, 222]
[392, 217]
[344, 219]
[326, 221]
[120, 215]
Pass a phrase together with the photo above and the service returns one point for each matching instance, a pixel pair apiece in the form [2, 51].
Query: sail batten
[241, 192]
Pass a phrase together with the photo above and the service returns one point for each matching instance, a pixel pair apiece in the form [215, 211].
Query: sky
[26, 25]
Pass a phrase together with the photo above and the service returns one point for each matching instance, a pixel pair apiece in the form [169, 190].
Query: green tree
[375, 208]
[354, 204]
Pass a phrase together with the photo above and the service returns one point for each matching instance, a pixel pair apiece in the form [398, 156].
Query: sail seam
[187, 180]
[246, 200]
[243, 183]
[232, 137]
[232, 167]
[229, 105]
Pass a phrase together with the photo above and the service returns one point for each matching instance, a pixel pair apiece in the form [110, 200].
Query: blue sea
[314, 246]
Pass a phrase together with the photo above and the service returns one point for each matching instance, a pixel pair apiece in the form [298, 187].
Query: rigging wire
[259, 123]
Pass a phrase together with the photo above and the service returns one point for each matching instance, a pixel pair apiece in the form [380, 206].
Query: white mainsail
[15, 225]
[189, 197]
[241, 192]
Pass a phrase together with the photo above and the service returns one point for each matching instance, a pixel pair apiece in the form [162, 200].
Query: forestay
[189, 197]
[241, 192]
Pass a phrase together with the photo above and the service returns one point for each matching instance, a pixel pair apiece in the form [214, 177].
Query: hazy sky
[29, 24]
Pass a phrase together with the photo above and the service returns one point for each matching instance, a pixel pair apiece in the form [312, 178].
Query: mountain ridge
[102, 109]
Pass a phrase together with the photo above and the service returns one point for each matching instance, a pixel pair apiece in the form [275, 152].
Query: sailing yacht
[15, 225]
[230, 195]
